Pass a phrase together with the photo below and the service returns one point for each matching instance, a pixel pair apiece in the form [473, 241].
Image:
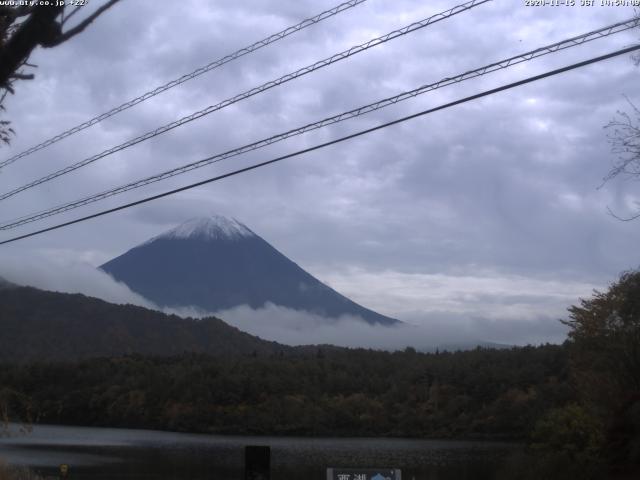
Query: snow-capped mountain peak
[217, 263]
[214, 227]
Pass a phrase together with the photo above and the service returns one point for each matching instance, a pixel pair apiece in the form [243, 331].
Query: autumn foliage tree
[604, 342]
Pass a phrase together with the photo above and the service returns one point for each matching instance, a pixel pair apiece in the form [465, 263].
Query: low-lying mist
[427, 331]
[423, 330]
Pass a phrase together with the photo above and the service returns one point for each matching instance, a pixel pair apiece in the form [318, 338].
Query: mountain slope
[216, 263]
[40, 325]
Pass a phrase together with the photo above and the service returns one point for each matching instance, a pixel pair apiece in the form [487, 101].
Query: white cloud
[473, 292]
[410, 207]
[449, 318]
[435, 330]
[62, 275]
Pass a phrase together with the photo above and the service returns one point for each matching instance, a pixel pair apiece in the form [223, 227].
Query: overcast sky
[488, 212]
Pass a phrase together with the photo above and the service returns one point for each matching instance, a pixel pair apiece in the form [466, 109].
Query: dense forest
[576, 405]
[497, 393]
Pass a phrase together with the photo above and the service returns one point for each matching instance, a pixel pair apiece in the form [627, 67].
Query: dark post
[257, 462]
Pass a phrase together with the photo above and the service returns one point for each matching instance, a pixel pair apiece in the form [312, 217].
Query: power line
[189, 76]
[254, 91]
[332, 142]
[502, 64]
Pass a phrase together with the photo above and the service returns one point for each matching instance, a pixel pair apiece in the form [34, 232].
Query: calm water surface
[105, 453]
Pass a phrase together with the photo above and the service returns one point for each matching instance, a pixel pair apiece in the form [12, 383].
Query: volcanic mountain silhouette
[217, 263]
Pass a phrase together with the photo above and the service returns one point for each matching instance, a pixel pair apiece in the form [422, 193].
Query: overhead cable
[502, 64]
[185, 78]
[332, 142]
[249, 93]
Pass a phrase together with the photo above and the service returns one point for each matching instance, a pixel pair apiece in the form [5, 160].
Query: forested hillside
[492, 393]
[577, 404]
[39, 325]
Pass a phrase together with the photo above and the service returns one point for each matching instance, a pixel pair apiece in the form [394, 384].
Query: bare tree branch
[23, 76]
[41, 26]
[63, 37]
[624, 138]
[73, 12]
[623, 219]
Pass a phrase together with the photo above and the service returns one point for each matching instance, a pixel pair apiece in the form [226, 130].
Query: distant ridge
[41, 325]
[216, 263]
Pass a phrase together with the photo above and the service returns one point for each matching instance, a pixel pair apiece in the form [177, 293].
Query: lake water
[105, 453]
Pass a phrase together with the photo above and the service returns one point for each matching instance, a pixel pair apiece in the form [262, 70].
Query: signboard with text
[364, 474]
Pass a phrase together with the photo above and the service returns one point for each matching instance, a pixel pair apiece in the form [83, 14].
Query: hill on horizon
[40, 325]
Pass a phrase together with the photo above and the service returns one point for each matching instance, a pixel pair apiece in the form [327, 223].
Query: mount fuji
[217, 263]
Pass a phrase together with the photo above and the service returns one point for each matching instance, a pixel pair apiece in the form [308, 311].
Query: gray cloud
[425, 331]
[505, 185]
[437, 310]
